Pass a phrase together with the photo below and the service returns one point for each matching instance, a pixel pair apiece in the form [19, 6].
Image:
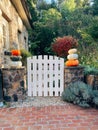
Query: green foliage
[70, 17]
[33, 11]
[90, 70]
[68, 5]
[88, 54]
[42, 5]
[93, 29]
[42, 40]
[25, 54]
[45, 30]
[50, 16]
[95, 7]
[81, 94]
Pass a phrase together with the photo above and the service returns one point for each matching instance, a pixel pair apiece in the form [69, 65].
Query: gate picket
[45, 75]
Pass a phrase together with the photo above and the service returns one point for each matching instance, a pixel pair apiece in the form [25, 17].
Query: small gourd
[72, 63]
[72, 56]
[72, 51]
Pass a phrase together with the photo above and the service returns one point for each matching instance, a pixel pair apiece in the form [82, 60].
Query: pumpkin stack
[72, 58]
[15, 58]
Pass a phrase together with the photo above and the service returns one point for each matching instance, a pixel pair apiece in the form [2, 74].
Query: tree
[53, 4]
[60, 1]
[42, 38]
[93, 29]
[45, 30]
[82, 3]
[95, 7]
[42, 5]
[33, 11]
[50, 16]
[68, 5]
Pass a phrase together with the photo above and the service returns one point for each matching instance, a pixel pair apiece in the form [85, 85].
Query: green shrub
[25, 54]
[81, 94]
[90, 70]
[88, 55]
[61, 45]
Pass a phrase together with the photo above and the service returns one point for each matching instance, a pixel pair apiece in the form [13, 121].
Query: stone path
[52, 117]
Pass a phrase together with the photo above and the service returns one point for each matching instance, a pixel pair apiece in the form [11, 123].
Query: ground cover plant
[81, 94]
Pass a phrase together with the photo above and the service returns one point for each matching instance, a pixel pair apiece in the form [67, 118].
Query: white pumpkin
[15, 63]
[72, 51]
[72, 56]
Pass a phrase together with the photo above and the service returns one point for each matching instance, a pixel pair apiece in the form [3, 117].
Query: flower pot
[15, 58]
[15, 64]
[8, 53]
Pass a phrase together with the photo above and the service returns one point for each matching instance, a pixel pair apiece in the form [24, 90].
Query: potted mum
[15, 58]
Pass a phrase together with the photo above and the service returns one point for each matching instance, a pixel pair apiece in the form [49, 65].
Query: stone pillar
[72, 74]
[0, 38]
[95, 87]
[92, 80]
[1, 91]
[14, 84]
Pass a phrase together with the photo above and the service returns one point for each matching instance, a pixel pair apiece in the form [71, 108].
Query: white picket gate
[45, 75]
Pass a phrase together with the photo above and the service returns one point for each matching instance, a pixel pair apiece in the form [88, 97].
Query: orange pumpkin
[72, 63]
[16, 52]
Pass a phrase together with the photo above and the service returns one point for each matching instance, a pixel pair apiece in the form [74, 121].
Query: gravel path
[38, 102]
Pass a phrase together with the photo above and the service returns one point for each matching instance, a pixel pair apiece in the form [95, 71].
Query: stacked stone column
[14, 84]
[72, 74]
[1, 57]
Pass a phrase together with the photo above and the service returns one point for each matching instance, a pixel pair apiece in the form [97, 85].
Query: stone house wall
[12, 25]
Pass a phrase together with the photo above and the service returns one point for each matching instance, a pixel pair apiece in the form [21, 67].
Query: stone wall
[16, 25]
[16, 31]
[14, 84]
[72, 74]
[92, 80]
[1, 92]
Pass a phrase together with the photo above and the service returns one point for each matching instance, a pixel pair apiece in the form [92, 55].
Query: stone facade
[13, 30]
[73, 74]
[92, 80]
[1, 87]
[14, 84]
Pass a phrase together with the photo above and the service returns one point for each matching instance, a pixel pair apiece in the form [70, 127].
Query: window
[5, 33]
[5, 38]
[20, 37]
[25, 42]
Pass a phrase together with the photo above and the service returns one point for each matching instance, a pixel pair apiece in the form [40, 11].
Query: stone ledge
[75, 67]
[14, 68]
